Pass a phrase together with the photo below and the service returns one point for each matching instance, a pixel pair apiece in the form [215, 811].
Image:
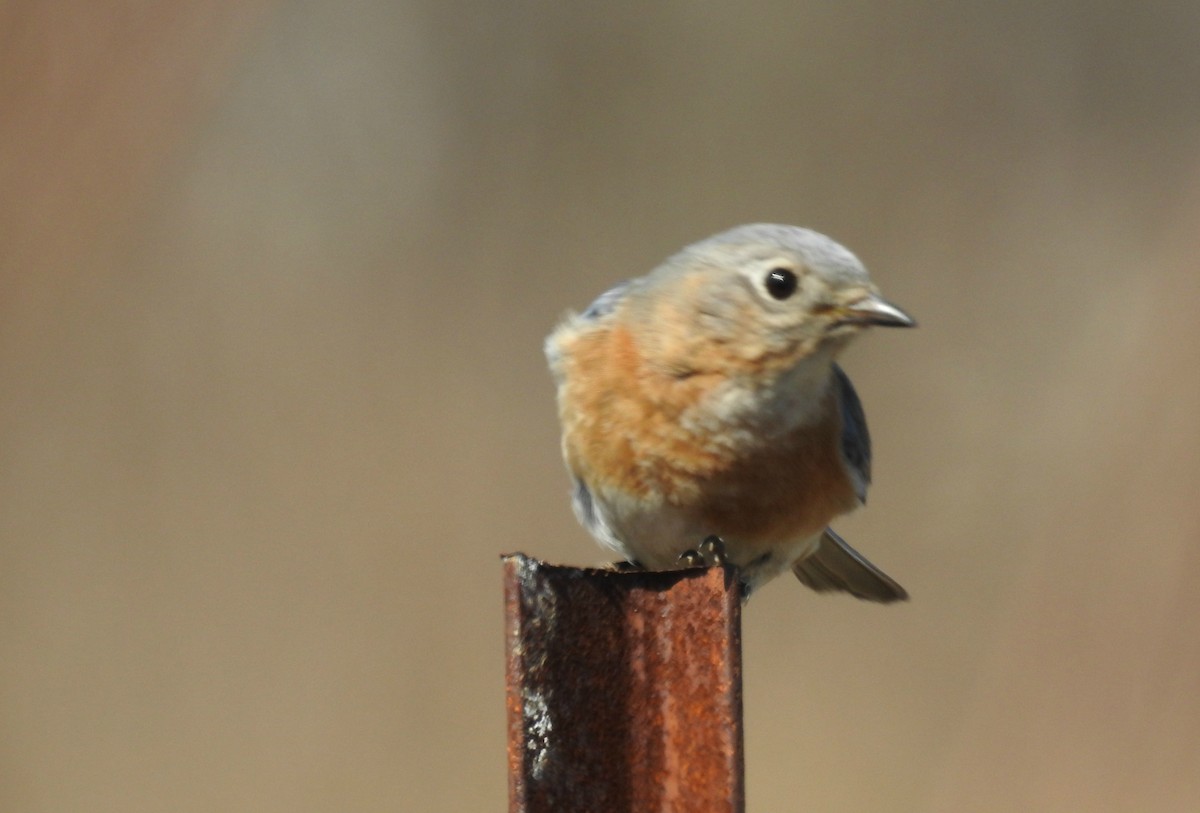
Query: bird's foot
[630, 566]
[709, 553]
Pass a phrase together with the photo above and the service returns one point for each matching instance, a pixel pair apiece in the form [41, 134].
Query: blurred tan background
[273, 283]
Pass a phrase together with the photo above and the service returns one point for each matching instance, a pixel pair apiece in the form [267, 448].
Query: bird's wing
[607, 301]
[594, 518]
[834, 565]
[856, 440]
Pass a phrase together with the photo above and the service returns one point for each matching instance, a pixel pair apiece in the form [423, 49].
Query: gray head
[746, 246]
[758, 292]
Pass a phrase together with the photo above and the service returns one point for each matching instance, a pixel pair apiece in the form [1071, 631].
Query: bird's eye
[781, 282]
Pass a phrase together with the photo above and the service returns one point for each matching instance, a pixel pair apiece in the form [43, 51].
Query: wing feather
[856, 439]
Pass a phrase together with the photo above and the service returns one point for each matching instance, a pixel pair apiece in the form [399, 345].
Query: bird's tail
[834, 565]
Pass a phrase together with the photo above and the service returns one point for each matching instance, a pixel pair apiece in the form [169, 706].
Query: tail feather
[834, 565]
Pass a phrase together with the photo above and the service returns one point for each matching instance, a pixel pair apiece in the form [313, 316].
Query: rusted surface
[624, 690]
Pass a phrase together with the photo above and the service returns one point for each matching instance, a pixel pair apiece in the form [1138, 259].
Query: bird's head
[763, 297]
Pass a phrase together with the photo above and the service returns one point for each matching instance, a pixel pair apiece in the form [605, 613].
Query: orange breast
[783, 490]
[623, 432]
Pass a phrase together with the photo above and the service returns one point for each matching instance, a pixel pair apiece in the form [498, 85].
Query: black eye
[781, 282]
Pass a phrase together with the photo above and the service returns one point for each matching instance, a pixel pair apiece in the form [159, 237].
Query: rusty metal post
[624, 690]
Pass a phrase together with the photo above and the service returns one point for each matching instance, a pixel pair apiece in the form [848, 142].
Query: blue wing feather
[607, 301]
[856, 439]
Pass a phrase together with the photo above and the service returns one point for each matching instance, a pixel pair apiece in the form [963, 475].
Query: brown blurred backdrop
[273, 282]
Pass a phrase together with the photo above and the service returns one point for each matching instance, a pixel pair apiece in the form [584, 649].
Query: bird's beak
[874, 310]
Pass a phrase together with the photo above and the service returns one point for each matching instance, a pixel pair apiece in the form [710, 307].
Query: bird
[704, 413]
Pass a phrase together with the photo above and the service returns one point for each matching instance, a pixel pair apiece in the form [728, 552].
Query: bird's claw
[709, 553]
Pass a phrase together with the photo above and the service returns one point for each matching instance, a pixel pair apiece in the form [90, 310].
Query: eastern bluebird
[703, 400]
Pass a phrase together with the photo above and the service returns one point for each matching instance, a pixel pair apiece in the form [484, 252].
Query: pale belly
[656, 538]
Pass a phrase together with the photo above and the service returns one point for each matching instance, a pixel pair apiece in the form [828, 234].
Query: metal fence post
[624, 690]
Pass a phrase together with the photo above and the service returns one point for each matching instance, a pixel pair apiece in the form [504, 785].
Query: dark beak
[872, 310]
